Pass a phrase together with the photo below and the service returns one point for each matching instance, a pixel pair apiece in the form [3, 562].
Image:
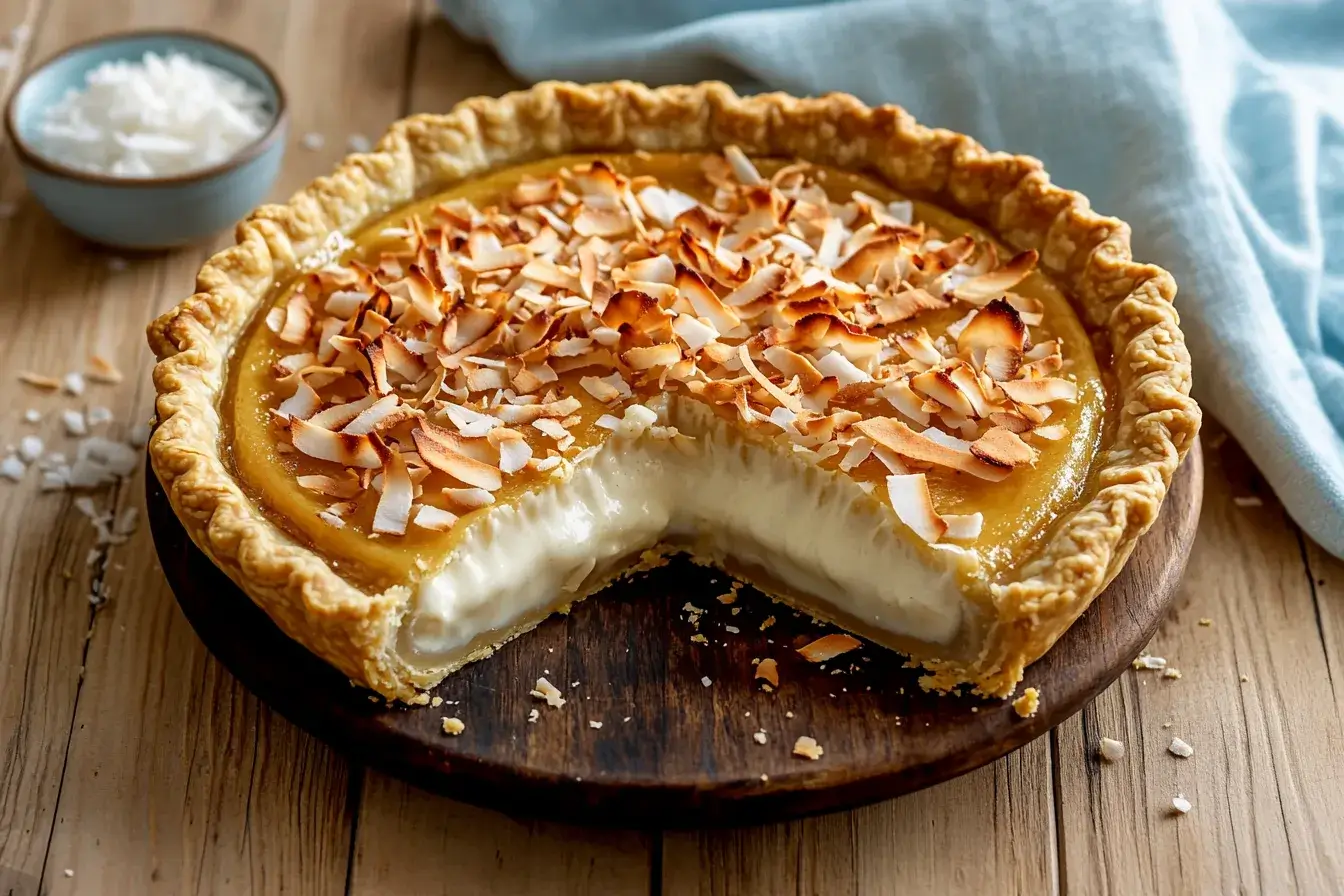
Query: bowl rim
[31, 157]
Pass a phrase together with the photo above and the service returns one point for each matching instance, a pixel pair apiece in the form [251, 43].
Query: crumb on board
[767, 670]
[760, 737]
[1026, 705]
[1111, 749]
[1180, 748]
[544, 690]
[453, 725]
[1181, 804]
[807, 748]
[1144, 661]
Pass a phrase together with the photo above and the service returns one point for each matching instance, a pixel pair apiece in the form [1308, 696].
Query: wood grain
[203, 790]
[900, 846]
[1265, 778]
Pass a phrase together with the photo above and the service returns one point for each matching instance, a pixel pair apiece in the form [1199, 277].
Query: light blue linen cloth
[1216, 130]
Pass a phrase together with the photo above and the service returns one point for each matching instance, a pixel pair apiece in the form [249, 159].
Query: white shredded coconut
[159, 116]
[12, 468]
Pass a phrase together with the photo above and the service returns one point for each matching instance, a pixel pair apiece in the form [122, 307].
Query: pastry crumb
[1205, 621]
[1181, 804]
[533, 714]
[699, 639]
[544, 690]
[1026, 705]
[760, 737]
[436, 702]
[1180, 748]
[1144, 661]
[828, 647]
[453, 725]
[1111, 749]
[706, 681]
[769, 621]
[807, 748]
[767, 670]
[594, 724]
[1171, 672]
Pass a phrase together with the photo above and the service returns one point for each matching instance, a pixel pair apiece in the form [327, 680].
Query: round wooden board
[673, 751]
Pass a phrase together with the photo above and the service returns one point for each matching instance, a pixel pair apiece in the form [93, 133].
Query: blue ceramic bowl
[150, 212]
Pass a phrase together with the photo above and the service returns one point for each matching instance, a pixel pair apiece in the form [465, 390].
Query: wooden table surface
[132, 763]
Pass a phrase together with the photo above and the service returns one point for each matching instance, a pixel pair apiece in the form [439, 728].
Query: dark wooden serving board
[686, 756]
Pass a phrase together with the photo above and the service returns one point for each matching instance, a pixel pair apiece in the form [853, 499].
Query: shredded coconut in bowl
[156, 117]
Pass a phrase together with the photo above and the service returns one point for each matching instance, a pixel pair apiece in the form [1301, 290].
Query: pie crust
[1128, 303]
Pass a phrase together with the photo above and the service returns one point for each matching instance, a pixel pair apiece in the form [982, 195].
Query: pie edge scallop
[1087, 253]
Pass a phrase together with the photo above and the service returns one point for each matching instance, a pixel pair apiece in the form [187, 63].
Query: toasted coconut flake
[347, 449]
[742, 167]
[535, 191]
[1004, 448]
[767, 670]
[938, 385]
[791, 364]
[704, 301]
[434, 519]
[331, 487]
[338, 416]
[1002, 363]
[919, 347]
[446, 452]
[766, 280]
[469, 498]
[863, 265]
[605, 389]
[652, 356]
[471, 423]
[694, 332]
[1052, 433]
[602, 222]
[963, 527]
[835, 364]
[981, 289]
[785, 400]
[298, 318]
[909, 495]
[302, 404]
[544, 690]
[896, 436]
[828, 647]
[900, 396]
[997, 325]
[102, 370]
[401, 359]
[1040, 391]
[394, 505]
[514, 455]
[374, 417]
[38, 380]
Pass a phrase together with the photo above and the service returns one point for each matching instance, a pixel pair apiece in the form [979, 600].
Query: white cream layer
[815, 531]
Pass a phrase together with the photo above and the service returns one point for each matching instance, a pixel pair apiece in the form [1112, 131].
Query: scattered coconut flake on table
[12, 468]
[358, 143]
[313, 141]
[159, 116]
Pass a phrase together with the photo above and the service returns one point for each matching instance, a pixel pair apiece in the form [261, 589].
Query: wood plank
[409, 841]
[1264, 779]
[1000, 819]
[176, 778]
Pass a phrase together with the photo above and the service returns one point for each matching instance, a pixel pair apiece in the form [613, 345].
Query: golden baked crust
[1089, 255]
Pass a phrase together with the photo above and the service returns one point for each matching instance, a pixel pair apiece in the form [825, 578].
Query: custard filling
[496, 394]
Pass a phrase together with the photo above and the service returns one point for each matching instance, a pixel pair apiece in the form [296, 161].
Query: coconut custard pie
[890, 377]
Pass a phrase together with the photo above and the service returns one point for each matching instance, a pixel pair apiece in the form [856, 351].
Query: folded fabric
[1215, 130]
